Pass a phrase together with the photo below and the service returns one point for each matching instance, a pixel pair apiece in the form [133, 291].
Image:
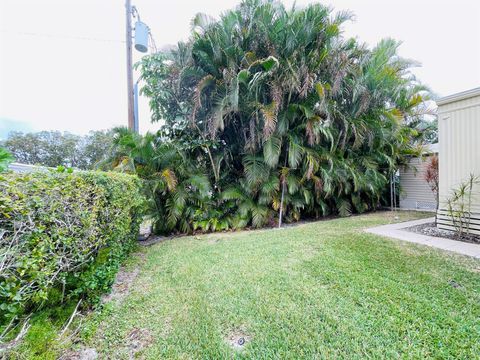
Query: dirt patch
[140, 257]
[430, 229]
[137, 340]
[237, 339]
[167, 328]
[454, 284]
[83, 354]
[212, 241]
[122, 285]
[155, 239]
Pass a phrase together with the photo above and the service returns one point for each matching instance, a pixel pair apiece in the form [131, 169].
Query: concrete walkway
[396, 231]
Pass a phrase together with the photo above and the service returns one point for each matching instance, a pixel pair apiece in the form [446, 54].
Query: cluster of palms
[270, 114]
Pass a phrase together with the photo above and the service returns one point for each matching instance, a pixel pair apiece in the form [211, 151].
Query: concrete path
[396, 231]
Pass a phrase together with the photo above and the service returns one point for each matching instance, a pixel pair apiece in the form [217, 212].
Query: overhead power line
[83, 38]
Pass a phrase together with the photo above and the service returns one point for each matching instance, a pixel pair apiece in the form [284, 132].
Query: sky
[62, 62]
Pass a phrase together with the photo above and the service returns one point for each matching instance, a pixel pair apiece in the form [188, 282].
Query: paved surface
[396, 231]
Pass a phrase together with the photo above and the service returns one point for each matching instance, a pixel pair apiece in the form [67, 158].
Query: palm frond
[170, 179]
[271, 151]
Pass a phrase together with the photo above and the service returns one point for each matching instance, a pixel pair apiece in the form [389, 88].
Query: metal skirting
[418, 205]
[445, 222]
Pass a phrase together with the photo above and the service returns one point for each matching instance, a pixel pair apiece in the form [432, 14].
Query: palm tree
[288, 117]
[173, 185]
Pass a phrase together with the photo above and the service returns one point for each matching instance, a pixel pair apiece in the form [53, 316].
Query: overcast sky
[62, 63]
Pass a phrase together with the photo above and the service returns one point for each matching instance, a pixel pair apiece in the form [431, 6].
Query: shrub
[5, 159]
[63, 235]
[460, 203]
[432, 176]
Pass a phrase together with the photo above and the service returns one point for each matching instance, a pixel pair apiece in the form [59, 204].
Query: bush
[5, 159]
[459, 205]
[63, 235]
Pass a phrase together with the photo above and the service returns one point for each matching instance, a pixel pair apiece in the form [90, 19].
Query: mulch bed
[430, 229]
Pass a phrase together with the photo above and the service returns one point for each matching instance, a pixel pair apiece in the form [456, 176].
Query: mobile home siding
[459, 140]
[415, 193]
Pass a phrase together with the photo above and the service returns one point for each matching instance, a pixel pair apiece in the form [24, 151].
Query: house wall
[459, 141]
[26, 168]
[415, 193]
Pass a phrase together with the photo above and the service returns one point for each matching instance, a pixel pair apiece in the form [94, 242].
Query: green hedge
[63, 235]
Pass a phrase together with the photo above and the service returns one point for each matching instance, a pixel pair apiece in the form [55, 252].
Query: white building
[415, 192]
[25, 168]
[459, 148]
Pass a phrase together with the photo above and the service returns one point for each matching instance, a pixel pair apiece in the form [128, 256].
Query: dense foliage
[285, 118]
[54, 148]
[63, 235]
[176, 189]
[5, 159]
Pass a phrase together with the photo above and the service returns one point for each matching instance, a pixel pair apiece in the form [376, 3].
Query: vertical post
[283, 180]
[135, 107]
[394, 192]
[280, 216]
[131, 117]
[391, 192]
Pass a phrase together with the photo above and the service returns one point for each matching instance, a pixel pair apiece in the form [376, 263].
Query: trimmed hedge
[63, 235]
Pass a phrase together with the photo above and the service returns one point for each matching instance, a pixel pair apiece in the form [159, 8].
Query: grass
[42, 339]
[317, 290]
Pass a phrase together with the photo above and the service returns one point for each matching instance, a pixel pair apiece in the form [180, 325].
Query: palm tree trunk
[281, 205]
[216, 172]
[280, 215]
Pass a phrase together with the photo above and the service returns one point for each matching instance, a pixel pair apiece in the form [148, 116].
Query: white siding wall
[415, 193]
[459, 140]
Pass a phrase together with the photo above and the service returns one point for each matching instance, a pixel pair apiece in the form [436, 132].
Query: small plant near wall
[460, 203]
[431, 175]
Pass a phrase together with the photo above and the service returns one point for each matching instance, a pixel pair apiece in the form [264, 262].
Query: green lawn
[318, 290]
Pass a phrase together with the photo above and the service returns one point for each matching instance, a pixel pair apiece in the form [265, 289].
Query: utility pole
[131, 116]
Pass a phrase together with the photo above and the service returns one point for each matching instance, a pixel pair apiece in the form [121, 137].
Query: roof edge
[459, 96]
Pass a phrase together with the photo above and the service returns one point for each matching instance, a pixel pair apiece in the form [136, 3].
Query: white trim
[25, 165]
[23, 168]
[458, 96]
[416, 209]
[458, 108]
